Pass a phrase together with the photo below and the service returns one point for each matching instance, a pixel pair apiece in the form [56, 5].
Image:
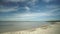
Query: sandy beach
[44, 29]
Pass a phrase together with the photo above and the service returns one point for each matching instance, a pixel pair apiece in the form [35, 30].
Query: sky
[29, 10]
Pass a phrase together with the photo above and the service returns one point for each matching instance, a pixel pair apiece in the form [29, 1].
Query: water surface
[19, 25]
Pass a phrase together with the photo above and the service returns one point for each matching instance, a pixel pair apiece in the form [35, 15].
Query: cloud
[30, 13]
[20, 1]
[14, 8]
[14, 0]
[32, 2]
[31, 16]
[52, 6]
[47, 1]
[27, 8]
[8, 9]
[25, 16]
[53, 12]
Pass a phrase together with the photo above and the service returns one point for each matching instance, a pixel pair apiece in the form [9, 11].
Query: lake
[19, 25]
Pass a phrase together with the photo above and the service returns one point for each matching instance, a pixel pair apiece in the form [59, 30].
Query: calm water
[13, 26]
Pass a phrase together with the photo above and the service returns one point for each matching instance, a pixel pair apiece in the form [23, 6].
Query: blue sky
[29, 10]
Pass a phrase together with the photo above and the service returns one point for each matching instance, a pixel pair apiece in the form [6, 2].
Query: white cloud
[31, 15]
[15, 0]
[5, 9]
[27, 8]
[24, 17]
[32, 2]
[27, 16]
[47, 1]
[52, 6]
[28, 1]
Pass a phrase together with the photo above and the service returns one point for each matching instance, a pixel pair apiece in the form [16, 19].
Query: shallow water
[19, 25]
